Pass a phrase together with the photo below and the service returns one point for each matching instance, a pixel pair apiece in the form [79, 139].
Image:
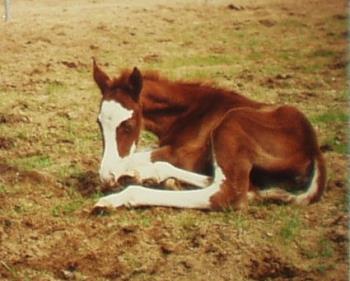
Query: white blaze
[112, 114]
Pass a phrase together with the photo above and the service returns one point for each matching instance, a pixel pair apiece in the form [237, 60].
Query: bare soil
[291, 52]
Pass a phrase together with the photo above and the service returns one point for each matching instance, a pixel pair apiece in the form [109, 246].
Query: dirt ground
[288, 52]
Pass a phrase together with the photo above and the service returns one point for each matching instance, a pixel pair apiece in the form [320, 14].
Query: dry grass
[279, 51]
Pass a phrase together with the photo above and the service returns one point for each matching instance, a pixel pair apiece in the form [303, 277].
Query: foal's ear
[135, 81]
[101, 78]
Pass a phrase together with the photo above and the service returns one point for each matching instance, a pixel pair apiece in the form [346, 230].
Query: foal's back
[170, 108]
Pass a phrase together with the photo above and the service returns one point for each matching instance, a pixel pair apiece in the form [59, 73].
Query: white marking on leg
[141, 196]
[304, 198]
[165, 170]
[112, 114]
[132, 164]
[161, 171]
[140, 165]
[132, 149]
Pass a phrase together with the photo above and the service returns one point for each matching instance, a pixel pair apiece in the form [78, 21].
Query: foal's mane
[155, 76]
[152, 75]
[207, 89]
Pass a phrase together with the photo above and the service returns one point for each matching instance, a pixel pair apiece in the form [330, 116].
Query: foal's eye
[127, 126]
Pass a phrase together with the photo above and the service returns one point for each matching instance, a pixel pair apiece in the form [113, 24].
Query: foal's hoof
[126, 180]
[172, 184]
[222, 200]
[100, 210]
[218, 202]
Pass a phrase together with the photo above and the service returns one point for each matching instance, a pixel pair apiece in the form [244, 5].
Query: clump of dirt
[70, 264]
[74, 65]
[267, 22]
[87, 183]
[6, 143]
[271, 266]
[12, 174]
[235, 7]
[278, 81]
[13, 118]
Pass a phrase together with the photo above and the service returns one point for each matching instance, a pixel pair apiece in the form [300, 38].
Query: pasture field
[288, 52]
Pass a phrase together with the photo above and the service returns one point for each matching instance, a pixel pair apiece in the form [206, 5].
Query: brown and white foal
[203, 131]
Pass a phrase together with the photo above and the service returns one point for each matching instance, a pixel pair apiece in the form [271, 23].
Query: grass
[147, 139]
[194, 60]
[55, 87]
[289, 222]
[325, 248]
[67, 208]
[323, 268]
[330, 117]
[237, 219]
[62, 139]
[337, 138]
[188, 222]
[2, 189]
[13, 272]
[338, 146]
[34, 162]
[73, 170]
[323, 53]
[290, 228]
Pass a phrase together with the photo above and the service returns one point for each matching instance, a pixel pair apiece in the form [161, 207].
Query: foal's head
[119, 119]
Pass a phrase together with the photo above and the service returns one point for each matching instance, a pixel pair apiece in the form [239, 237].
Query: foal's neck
[165, 103]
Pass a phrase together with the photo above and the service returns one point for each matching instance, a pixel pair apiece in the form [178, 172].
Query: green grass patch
[195, 60]
[34, 162]
[144, 219]
[229, 216]
[322, 268]
[323, 53]
[290, 228]
[312, 68]
[339, 147]
[2, 189]
[188, 222]
[336, 138]
[322, 249]
[55, 87]
[325, 248]
[13, 272]
[72, 170]
[287, 219]
[290, 55]
[148, 138]
[292, 23]
[255, 55]
[330, 117]
[67, 208]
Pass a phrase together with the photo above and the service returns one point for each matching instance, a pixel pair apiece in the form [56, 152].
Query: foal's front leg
[141, 166]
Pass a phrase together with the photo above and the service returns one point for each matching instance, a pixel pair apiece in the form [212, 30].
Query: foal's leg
[141, 166]
[141, 196]
[194, 156]
[234, 190]
[233, 152]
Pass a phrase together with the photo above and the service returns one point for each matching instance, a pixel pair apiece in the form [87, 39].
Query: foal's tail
[311, 195]
[317, 185]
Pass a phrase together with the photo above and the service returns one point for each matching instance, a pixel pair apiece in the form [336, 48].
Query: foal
[204, 130]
